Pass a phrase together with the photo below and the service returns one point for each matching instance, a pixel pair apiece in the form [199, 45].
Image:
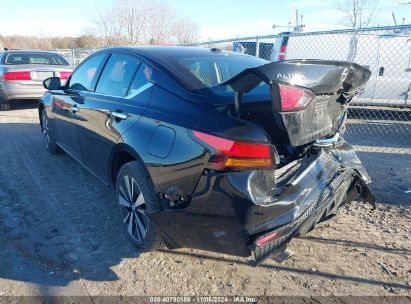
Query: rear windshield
[211, 71]
[34, 58]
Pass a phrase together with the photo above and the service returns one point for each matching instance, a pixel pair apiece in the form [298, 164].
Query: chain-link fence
[379, 119]
[75, 56]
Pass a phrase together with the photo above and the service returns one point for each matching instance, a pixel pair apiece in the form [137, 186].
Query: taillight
[294, 98]
[231, 154]
[25, 75]
[267, 238]
[65, 75]
[282, 52]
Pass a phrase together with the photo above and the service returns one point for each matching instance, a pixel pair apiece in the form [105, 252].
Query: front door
[64, 108]
[65, 104]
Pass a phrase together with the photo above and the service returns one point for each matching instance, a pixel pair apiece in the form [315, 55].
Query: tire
[47, 131]
[135, 196]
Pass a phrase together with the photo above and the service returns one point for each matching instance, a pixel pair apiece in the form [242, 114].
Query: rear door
[65, 104]
[121, 96]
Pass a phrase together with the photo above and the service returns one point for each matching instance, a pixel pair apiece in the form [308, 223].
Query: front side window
[117, 75]
[83, 78]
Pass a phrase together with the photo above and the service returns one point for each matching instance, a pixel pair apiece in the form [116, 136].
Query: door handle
[381, 71]
[119, 115]
[74, 109]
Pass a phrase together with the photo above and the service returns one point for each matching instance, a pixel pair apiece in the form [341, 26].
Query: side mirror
[52, 83]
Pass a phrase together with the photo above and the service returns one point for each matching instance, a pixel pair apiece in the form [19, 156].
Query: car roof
[160, 52]
[159, 49]
[161, 56]
[29, 51]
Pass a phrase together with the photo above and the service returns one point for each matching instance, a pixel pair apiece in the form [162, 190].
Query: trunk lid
[331, 86]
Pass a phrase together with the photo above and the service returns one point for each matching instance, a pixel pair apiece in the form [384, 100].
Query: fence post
[257, 47]
[73, 57]
[353, 47]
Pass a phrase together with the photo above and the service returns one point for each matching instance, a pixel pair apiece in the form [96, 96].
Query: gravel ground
[60, 234]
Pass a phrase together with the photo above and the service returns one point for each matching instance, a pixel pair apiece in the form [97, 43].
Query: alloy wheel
[45, 127]
[133, 208]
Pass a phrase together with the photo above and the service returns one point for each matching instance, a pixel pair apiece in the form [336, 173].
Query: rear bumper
[338, 192]
[230, 213]
[14, 90]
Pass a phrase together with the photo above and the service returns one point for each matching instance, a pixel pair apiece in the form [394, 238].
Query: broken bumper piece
[349, 182]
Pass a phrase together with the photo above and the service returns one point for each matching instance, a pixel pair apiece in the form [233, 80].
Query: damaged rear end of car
[309, 107]
[282, 168]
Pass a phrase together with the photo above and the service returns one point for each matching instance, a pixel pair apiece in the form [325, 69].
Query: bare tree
[109, 26]
[133, 17]
[144, 21]
[159, 25]
[358, 13]
[185, 30]
[123, 22]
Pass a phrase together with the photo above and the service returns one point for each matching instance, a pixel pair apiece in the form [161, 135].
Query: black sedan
[211, 149]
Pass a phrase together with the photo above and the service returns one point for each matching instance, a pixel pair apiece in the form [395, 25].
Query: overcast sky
[218, 19]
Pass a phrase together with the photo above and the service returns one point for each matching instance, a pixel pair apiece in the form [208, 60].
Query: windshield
[34, 58]
[213, 70]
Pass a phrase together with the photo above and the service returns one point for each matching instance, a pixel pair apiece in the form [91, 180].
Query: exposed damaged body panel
[334, 84]
[333, 178]
[320, 76]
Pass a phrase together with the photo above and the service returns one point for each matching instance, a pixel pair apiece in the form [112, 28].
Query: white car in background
[386, 55]
[22, 73]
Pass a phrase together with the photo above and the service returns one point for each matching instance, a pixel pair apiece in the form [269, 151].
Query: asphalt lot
[61, 235]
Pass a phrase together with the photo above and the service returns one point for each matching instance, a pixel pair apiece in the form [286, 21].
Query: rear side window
[117, 75]
[34, 58]
[141, 79]
[214, 70]
[205, 71]
[84, 77]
